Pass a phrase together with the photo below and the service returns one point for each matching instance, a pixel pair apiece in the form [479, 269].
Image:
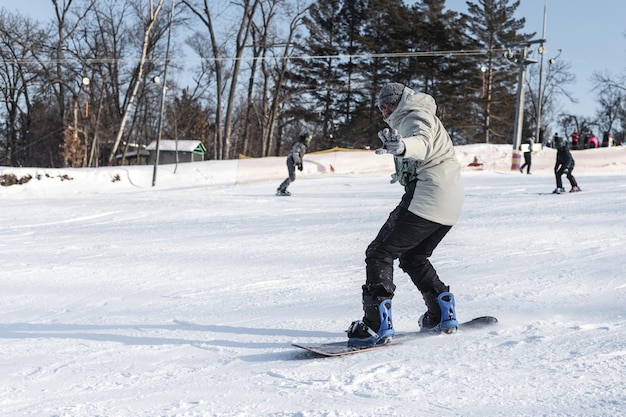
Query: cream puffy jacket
[429, 158]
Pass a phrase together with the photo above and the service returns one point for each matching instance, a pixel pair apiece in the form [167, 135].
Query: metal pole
[519, 110]
[540, 92]
[160, 126]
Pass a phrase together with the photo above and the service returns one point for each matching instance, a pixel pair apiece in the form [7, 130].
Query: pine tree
[328, 75]
[452, 78]
[492, 25]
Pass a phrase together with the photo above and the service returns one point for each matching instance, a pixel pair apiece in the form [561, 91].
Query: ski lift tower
[521, 57]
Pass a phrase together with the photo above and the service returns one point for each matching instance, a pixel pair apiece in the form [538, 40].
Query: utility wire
[261, 58]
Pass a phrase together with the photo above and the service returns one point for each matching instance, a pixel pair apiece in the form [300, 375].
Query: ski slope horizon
[122, 299]
[45, 181]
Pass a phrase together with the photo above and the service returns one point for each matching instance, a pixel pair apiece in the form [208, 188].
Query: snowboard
[342, 348]
[564, 192]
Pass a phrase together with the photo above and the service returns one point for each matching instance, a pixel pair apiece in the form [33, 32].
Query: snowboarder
[564, 165]
[427, 168]
[294, 160]
[528, 155]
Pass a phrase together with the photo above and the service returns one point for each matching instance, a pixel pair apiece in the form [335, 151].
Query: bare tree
[224, 128]
[612, 101]
[148, 25]
[604, 79]
[277, 98]
[582, 124]
[50, 60]
[65, 76]
[107, 38]
[494, 26]
[18, 36]
[557, 78]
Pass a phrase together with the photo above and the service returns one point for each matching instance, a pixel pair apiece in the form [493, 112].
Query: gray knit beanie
[390, 93]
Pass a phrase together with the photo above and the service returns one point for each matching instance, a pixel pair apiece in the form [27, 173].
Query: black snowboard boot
[441, 313]
[376, 326]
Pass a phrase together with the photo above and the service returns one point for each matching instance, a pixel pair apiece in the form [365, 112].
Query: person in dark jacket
[528, 154]
[294, 160]
[564, 165]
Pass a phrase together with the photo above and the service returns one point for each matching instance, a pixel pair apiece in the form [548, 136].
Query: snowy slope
[123, 300]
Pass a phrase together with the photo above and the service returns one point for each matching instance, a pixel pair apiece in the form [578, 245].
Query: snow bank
[499, 158]
[243, 171]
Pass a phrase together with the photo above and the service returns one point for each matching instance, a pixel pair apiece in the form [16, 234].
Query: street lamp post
[483, 69]
[542, 50]
[156, 79]
[523, 61]
[85, 83]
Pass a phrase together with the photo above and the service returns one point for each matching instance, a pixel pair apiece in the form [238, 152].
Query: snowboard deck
[564, 192]
[341, 348]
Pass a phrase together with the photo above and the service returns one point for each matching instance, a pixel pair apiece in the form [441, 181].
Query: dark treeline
[85, 88]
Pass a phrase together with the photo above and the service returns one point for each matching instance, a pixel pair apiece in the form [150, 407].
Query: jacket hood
[412, 101]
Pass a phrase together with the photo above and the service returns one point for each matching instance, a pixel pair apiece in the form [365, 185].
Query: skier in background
[427, 168]
[528, 155]
[294, 160]
[564, 165]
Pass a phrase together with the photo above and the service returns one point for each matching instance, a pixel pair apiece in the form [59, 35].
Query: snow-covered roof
[178, 145]
[133, 154]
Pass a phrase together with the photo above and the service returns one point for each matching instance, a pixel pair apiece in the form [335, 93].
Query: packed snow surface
[121, 299]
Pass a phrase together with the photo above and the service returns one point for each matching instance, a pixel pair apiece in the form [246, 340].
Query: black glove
[299, 167]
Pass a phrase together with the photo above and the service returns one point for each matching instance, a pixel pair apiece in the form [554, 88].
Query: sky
[120, 299]
[591, 35]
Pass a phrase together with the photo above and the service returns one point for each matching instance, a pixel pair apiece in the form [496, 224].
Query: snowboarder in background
[294, 160]
[556, 137]
[528, 155]
[426, 166]
[564, 165]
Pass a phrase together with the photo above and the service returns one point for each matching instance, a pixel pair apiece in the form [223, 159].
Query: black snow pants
[291, 168]
[570, 177]
[528, 160]
[411, 239]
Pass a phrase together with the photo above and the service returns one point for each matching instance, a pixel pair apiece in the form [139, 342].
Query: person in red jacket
[575, 138]
[593, 141]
